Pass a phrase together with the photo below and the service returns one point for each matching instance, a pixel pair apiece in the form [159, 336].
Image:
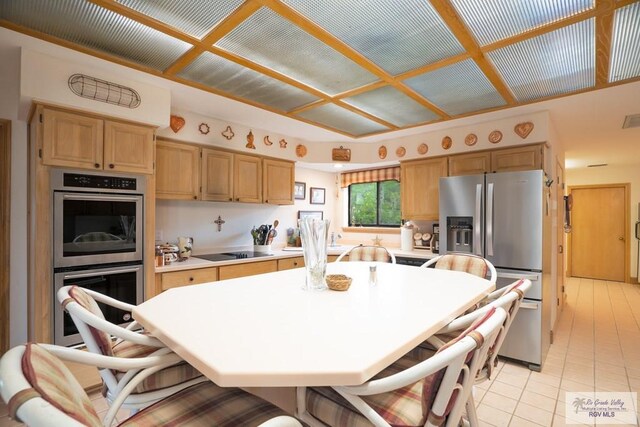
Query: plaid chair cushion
[369, 253]
[467, 263]
[57, 385]
[405, 407]
[87, 302]
[205, 404]
[167, 377]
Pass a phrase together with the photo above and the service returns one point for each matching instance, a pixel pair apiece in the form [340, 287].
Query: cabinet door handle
[111, 165]
[191, 279]
[195, 197]
[231, 199]
[96, 165]
[295, 264]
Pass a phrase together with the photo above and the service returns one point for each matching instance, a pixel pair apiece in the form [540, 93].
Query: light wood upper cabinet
[178, 171]
[517, 159]
[74, 140]
[419, 188]
[128, 148]
[279, 177]
[247, 178]
[470, 164]
[71, 140]
[217, 175]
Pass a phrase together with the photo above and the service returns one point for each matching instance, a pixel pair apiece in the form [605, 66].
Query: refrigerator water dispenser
[459, 234]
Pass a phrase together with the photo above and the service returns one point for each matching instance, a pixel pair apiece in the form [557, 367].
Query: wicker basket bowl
[338, 282]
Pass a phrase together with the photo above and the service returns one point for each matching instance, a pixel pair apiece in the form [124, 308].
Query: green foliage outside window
[375, 204]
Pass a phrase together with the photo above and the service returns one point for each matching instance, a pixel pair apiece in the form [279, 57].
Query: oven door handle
[101, 197]
[99, 272]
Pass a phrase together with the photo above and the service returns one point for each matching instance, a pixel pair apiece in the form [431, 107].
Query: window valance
[370, 175]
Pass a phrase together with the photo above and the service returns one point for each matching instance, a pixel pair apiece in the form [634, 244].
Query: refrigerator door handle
[477, 236]
[516, 276]
[490, 219]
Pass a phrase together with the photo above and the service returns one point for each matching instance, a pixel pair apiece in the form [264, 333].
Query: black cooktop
[227, 256]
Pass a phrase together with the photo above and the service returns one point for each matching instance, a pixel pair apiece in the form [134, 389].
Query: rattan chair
[411, 391]
[368, 253]
[41, 391]
[98, 335]
[468, 263]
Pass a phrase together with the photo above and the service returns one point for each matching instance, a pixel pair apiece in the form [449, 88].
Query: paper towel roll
[406, 239]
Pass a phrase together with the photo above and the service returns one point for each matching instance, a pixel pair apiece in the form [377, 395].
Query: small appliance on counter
[435, 239]
[406, 235]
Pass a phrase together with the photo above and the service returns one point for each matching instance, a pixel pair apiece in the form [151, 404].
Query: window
[375, 204]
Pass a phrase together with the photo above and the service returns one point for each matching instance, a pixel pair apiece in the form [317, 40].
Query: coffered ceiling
[359, 67]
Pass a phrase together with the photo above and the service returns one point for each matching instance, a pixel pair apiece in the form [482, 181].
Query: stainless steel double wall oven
[97, 241]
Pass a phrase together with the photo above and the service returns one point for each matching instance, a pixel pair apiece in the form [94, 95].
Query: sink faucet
[334, 237]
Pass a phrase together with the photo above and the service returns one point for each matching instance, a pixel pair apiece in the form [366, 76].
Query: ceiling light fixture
[631, 121]
[337, 166]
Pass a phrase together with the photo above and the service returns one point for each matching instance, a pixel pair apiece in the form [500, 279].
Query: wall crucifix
[219, 222]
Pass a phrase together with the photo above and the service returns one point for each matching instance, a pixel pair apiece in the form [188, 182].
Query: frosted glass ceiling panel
[227, 76]
[495, 20]
[625, 49]
[268, 39]
[96, 28]
[332, 116]
[562, 61]
[397, 35]
[194, 17]
[392, 106]
[458, 88]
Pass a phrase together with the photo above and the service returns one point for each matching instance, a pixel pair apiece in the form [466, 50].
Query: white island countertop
[288, 252]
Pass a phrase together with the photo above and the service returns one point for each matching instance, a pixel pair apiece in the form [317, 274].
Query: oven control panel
[99, 182]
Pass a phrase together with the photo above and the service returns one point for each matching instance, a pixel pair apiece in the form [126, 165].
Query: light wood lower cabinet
[289, 263]
[247, 269]
[178, 171]
[174, 279]
[332, 258]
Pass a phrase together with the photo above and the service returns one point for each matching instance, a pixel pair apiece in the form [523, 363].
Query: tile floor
[596, 347]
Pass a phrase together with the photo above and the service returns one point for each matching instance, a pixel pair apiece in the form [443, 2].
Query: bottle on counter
[159, 257]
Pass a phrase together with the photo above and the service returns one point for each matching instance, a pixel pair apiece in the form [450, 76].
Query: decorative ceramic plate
[495, 137]
[447, 142]
[471, 139]
[401, 151]
[301, 150]
[204, 128]
[423, 148]
[382, 152]
[523, 129]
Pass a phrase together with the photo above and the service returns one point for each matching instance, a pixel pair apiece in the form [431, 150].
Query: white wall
[195, 218]
[614, 175]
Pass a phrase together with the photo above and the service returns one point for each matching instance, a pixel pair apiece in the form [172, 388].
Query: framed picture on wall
[299, 190]
[316, 196]
[310, 214]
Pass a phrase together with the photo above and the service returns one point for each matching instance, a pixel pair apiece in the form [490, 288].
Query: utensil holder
[265, 249]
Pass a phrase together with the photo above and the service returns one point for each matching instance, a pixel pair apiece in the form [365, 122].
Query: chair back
[468, 263]
[41, 391]
[368, 253]
[97, 340]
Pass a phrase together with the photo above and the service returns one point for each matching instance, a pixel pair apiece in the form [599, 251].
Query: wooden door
[278, 179]
[178, 171]
[128, 147]
[470, 164]
[517, 159]
[247, 178]
[71, 140]
[599, 247]
[560, 238]
[217, 175]
[5, 230]
[420, 181]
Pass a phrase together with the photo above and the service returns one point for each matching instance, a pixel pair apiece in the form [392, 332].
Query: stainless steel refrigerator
[504, 218]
